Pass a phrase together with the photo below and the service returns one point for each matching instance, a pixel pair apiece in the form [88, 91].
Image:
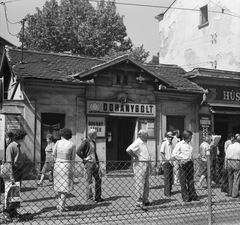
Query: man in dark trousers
[183, 152]
[87, 152]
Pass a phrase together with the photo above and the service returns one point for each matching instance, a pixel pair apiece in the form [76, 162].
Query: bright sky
[142, 27]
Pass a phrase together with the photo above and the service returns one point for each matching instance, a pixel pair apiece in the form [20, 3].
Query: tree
[77, 26]
[138, 53]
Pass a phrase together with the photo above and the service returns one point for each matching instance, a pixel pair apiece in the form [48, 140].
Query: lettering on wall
[97, 123]
[228, 94]
[123, 109]
[204, 125]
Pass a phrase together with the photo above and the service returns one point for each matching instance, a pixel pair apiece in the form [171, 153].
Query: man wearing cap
[141, 167]
[166, 154]
[183, 152]
[87, 152]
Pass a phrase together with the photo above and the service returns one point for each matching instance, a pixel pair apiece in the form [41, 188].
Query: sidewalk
[39, 205]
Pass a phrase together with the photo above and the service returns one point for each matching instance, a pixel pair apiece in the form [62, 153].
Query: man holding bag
[13, 178]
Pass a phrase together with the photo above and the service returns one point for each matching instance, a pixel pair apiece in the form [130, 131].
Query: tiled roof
[173, 75]
[51, 66]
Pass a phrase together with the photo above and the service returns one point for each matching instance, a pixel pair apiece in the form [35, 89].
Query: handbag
[5, 171]
[13, 196]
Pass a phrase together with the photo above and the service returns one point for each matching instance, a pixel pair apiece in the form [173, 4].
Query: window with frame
[147, 124]
[121, 80]
[204, 15]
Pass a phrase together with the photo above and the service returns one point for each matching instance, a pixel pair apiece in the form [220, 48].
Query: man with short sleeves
[183, 152]
[166, 154]
[141, 167]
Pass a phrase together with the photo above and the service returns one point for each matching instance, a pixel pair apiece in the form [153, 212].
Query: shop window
[203, 16]
[147, 124]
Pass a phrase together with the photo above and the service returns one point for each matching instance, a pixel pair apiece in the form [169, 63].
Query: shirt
[139, 148]
[226, 144]
[202, 151]
[233, 151]
[166, 149]
[183, 150]
[13, 153]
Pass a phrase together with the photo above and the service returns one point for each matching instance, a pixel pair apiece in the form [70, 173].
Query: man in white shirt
[233, 165]
[141, 167]
[166, 155]
[183, 152]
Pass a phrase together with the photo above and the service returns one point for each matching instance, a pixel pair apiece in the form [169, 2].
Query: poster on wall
[97, 123]
[204, 125]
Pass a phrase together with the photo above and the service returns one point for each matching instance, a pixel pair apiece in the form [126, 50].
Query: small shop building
[44, 92]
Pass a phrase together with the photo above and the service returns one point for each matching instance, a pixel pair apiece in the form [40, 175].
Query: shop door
[122, 133]
[51, 124]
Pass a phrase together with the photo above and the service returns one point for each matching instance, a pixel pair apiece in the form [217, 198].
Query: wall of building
[185, 43]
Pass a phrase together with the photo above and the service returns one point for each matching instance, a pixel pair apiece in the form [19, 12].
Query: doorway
[51, 123]
[120, 134]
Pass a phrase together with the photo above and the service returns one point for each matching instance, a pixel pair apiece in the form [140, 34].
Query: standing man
[141, 167]
[233, 165]
[166, 154]
[87, 152]
[176, 139]
[183, 152]
[15, 161]
[204, 147]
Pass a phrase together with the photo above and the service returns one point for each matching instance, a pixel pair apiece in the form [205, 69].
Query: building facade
[116, 97]
[200, 33]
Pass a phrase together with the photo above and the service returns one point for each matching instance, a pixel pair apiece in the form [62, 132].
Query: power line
[166, 7]
[7, 20]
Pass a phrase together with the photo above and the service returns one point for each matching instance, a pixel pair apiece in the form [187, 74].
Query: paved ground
[39, 205]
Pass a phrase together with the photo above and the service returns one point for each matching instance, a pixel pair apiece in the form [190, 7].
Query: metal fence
[213, 206]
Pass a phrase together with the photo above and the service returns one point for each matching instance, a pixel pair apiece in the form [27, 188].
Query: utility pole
[23, 26]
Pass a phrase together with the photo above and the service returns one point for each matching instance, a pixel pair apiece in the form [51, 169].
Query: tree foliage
[75, 25]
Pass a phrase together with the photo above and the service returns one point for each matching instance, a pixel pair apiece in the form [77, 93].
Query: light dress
[64, 153]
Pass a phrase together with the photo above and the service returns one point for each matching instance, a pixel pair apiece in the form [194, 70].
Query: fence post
[209, 188]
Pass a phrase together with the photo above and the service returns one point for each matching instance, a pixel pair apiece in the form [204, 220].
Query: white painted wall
[184, 44]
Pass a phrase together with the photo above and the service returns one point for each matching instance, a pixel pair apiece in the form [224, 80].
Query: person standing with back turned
[141, 167]
[88, 153]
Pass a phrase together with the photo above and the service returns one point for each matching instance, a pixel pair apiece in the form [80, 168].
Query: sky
[142, 27]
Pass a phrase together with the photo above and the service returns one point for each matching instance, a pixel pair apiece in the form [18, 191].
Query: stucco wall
[216, 45]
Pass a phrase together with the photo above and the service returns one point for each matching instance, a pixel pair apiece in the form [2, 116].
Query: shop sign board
[120, 109]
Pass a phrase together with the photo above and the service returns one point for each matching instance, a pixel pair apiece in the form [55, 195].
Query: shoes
[147, 203]
[40, 183]
[187, 200]
[99, 200]
[6, 217]
[90, 201]
[61, 209]
[195, 199]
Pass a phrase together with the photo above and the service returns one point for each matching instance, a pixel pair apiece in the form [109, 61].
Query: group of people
[178, 164]
[59, 163]
[181, 152]
[176, 155]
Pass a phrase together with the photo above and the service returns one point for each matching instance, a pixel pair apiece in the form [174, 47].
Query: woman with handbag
[64, 153]
[13, 162]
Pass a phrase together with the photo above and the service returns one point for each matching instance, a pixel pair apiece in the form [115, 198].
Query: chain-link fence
[175, 194]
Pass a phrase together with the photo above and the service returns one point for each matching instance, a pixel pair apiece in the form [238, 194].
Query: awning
[224, 108]
[11, 109]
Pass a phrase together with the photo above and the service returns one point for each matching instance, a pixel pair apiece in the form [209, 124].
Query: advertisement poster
[97, 123]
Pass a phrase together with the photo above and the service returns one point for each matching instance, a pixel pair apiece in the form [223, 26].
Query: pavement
[39, 205]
